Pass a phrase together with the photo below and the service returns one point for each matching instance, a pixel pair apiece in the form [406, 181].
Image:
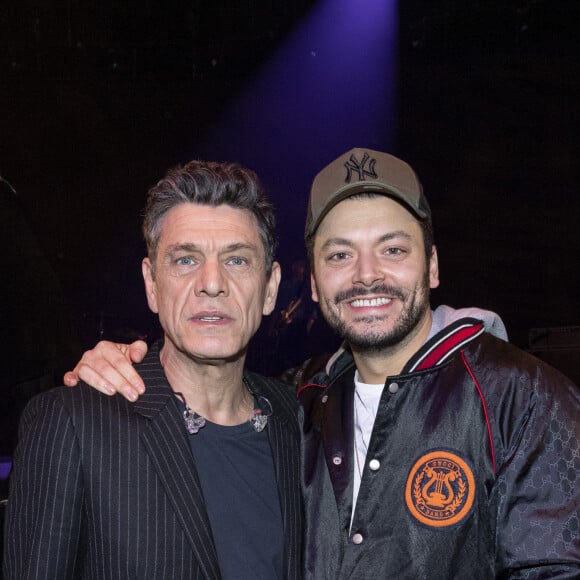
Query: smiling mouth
[382, 294]
[370, 302]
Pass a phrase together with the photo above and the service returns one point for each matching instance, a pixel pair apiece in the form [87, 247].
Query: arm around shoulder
[108, 367]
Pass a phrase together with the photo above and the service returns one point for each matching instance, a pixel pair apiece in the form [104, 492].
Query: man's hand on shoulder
[109, 368]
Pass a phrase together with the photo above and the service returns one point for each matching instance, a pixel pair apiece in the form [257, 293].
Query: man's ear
[272, 289]
[150, 284]
[433, 269]
[313, 287]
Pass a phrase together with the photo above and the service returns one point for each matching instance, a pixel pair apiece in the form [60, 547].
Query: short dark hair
[426, 228]
[210, 183]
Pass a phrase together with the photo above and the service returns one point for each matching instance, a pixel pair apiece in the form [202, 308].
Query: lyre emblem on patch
[440, 489]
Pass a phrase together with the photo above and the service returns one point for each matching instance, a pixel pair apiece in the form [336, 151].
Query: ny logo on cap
[364, 169]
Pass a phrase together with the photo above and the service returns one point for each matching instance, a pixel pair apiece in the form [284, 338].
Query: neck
[375, 366]
[213, 389]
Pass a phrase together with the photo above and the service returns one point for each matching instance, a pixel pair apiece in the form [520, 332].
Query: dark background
[98, 99]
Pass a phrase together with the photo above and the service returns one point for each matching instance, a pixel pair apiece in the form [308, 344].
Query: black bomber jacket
[471, 472]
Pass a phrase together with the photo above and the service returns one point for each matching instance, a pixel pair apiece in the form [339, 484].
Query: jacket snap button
[337, 460]
[324, 398]
[393, 388]
[357, 539]
[374, 464]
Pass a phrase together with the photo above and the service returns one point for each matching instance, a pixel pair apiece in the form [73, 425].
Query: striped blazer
[104, 488]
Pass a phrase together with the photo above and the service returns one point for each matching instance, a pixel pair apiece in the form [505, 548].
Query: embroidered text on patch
[440, 489]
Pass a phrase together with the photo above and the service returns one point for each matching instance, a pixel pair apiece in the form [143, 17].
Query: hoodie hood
[443, 316]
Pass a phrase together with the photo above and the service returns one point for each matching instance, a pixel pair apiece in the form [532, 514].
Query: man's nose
[211, 279]
[368, 270]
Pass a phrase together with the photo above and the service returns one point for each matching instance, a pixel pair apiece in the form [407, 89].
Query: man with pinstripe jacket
[199, 478]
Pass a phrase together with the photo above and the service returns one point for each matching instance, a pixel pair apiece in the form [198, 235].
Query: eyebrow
[346, 242]
[191, 247]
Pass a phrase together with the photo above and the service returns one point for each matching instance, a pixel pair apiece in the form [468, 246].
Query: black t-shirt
[237, 476]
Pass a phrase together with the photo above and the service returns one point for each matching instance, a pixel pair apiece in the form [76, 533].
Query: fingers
[108, 368]
[137, 350]
[103, 380]
[70, 379]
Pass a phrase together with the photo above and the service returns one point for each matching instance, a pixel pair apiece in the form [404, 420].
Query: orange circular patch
[440, 489]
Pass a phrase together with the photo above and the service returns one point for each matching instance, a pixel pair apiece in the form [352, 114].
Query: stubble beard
[415, 305]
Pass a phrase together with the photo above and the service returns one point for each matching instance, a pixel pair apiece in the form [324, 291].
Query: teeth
[361, 303]
[211, 318]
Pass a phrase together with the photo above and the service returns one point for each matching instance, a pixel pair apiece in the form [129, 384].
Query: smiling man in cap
[430, 448]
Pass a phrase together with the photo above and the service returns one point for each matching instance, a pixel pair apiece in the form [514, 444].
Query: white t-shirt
[366, 405]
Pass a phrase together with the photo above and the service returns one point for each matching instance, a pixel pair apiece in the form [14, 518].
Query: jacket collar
[442, 345]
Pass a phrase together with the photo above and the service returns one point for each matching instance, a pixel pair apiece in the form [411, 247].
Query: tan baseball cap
[365, 171]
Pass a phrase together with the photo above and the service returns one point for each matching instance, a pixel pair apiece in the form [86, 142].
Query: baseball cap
[365, 171]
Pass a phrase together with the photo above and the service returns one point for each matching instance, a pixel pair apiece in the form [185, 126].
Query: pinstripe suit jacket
[103, 488]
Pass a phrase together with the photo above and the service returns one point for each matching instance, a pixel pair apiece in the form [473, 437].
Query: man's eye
[395, 251]
[237, 261]
[338, 256]
[184, 261]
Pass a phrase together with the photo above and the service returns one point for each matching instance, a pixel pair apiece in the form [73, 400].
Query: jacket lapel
[288, 488]
[283, 436]
[166, 442]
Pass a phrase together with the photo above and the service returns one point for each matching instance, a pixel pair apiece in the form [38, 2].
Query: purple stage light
[331, 86]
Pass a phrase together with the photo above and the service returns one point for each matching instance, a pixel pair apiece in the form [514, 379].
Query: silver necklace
[258, 416]
[193, 421]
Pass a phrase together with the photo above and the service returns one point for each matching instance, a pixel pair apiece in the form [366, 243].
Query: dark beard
[371, 341]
